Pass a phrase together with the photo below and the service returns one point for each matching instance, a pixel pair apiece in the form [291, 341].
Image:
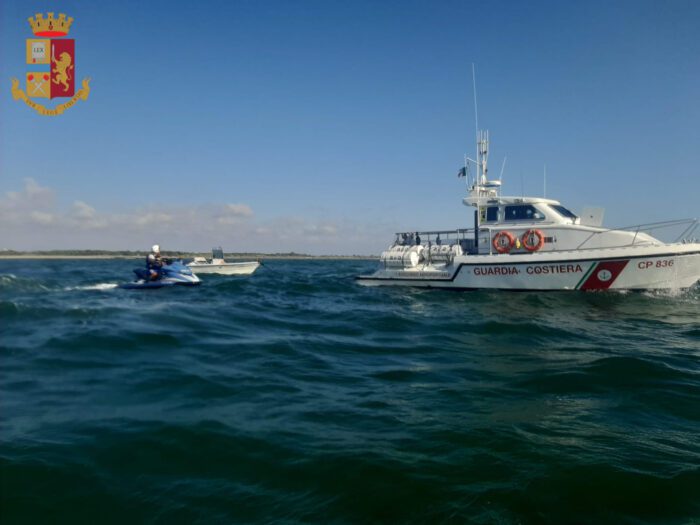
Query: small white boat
[217, 264]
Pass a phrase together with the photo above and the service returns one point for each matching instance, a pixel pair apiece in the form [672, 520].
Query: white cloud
[82, 210]
[238, 210]
[232, 214]
[150, 219]
[35, 191]
[31, 219]
[321, 229]
[40, 217]
[228, 220]
[33, 198]
[84, 217]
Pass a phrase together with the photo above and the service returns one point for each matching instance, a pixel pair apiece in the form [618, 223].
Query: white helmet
[155, 248]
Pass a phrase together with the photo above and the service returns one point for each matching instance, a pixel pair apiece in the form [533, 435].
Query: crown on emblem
[50, 26]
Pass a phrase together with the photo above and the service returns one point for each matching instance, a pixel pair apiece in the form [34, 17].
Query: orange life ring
[498, 241]
[530, 235]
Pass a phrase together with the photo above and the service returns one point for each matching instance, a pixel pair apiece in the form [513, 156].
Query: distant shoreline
[233, 256]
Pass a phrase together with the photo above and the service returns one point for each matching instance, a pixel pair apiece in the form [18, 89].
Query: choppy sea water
[296, 396]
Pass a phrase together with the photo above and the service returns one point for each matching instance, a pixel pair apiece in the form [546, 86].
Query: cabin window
[492, 213]
[523, 212]
[563, 211]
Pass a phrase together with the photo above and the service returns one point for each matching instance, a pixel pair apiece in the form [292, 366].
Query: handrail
[692, 222]
[438, 232]
[657, 225]
[685, 234]
[651, 226]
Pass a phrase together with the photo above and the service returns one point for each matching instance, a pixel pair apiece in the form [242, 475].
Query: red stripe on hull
[604, 275]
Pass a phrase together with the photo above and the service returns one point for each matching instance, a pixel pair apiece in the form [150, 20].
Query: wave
[12, 283]
[99, 287]
[210, 470]
[623, 372]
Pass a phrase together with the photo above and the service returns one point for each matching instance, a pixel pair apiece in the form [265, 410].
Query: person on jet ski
[154, 263]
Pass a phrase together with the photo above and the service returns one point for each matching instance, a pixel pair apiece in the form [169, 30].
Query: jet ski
[172, 273]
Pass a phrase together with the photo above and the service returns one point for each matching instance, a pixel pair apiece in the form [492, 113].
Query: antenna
[476, 121]
[503, 166]
[545, 181]
[466, 171]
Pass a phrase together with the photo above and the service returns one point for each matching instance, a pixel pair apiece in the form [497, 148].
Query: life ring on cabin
[503, 241]
[528, 240]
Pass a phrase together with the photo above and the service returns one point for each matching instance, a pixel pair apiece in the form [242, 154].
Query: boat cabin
[514, 210]
[217, 255]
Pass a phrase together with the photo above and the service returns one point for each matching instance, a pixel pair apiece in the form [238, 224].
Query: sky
[325, 126]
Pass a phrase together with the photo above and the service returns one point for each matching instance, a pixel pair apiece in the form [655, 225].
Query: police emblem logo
[53, 60]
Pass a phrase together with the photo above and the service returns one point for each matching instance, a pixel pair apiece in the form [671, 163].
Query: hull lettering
[554, 268]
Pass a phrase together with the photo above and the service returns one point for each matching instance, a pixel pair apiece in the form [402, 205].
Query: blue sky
[323, 127]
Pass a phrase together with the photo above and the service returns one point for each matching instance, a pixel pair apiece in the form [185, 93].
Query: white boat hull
[238, 268]
[670, 266]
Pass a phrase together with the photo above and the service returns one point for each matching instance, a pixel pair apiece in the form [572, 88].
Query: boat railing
[691, 225]
[434, 236]
[463, 237]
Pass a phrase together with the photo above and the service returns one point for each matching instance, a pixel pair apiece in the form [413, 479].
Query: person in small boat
[154, 263]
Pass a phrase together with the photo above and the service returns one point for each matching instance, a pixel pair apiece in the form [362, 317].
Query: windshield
[563, 211]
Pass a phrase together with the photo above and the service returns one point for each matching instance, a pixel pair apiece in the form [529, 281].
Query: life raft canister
[503, 241]
[533, 240]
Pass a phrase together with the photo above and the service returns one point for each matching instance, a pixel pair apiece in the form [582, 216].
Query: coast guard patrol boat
[532, 243]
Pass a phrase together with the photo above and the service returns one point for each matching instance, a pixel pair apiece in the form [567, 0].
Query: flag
[462, 172]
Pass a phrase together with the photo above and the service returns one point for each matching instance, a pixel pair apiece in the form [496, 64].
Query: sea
[296, 396]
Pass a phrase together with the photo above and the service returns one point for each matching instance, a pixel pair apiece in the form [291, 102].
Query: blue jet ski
[171, 274]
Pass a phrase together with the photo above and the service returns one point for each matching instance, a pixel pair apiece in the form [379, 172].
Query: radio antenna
[545, 181]
[476, 121]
